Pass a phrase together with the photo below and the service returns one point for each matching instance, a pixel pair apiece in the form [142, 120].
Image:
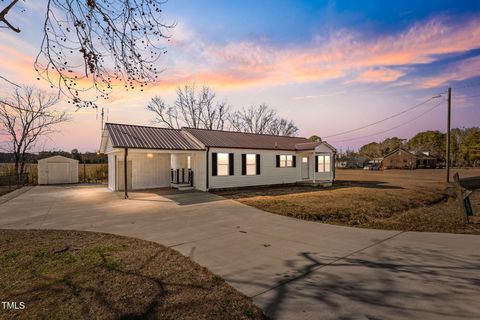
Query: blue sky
[329, 66]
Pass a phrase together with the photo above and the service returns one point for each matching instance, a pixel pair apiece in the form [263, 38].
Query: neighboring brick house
[404, 159]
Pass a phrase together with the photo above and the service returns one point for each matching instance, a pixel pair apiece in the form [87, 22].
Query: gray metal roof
[307, 145]
[231, 139]
[141, 137]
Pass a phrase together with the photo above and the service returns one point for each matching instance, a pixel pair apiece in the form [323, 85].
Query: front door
[305, 173]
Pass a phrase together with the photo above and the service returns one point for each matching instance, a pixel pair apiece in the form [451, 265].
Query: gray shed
[57, 170]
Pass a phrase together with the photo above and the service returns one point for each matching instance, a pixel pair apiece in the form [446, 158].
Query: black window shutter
[257, 162]
[230, 164]
[294, 161]
[214, 164]
[244, 164]
[316, 164]
[278, 160]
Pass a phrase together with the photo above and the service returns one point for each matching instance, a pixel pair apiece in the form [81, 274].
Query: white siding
[269, 173]
[109, 147]
[150, 172]
[199, 168]
[111, 171]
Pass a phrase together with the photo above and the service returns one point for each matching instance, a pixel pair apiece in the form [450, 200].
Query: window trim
[227, 164]
[284, 162]
[321, 163]
[249, 165]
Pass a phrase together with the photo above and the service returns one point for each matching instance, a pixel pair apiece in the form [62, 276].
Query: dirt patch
[393, 199]
[85, 275]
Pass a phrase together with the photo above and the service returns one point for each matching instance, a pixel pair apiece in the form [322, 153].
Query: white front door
[305, 173]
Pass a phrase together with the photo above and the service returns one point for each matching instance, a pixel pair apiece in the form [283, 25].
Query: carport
[145, 158]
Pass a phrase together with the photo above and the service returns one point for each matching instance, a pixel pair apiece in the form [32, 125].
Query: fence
[11, 182]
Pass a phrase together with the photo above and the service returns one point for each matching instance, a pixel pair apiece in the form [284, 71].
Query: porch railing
[181, 176]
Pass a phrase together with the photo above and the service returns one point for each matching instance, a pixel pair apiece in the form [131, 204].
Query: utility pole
[449, 115]
[101, 125]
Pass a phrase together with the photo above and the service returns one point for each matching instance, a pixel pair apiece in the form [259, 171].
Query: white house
[210, 159]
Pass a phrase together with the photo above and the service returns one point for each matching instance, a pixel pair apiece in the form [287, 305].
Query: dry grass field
[86, 275]
[392, 199]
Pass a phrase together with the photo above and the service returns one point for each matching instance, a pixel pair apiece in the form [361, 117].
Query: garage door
[58, 173]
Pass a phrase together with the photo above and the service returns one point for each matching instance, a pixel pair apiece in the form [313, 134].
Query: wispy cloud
[465, 69]
[344, 55]
[380, 75]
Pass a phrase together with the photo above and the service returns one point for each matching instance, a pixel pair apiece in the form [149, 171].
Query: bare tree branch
[89, 47]
[261, 119]
[192, 108]
[27, 115]
[3, 16]
[11, 82]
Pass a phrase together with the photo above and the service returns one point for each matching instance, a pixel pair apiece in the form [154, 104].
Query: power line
[385, 119]
[393, 128]
[475, 95]
[468, 85]
[11, 82]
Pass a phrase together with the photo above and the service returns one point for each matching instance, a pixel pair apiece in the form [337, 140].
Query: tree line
[464, 145]
[199, 108]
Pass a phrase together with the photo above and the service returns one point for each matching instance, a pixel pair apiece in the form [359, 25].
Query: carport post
[125, 167]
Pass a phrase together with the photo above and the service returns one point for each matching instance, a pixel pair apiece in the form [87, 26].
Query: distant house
[404, 159]
[355, 162]
[210, 159]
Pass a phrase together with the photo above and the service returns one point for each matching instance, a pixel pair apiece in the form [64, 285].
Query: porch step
[185, 188]
[182, 186]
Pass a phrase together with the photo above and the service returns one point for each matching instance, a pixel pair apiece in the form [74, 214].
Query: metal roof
[307, 145]
[142, 137]
[231, 139]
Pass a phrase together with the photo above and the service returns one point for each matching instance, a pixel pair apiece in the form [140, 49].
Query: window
[304, 159]
[323, 164]
[251, 164]
[222, 164]
[286, 160]
[189, 162]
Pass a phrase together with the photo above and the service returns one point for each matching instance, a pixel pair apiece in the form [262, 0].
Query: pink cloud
[342, 55]
[464, 70]
[379, 75]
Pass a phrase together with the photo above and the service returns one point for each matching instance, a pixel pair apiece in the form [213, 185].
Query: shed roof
[232, 139]
[142, 137]
[57, 158]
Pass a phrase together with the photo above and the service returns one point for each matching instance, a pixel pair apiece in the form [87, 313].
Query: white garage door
[58, 173]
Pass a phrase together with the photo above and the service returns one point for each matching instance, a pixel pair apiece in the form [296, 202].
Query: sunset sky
[329, 66]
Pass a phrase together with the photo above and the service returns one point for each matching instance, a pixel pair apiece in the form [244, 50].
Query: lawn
[85, 275]
[392, 199]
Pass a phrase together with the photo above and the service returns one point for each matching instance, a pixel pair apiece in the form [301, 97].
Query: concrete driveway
[292, 269]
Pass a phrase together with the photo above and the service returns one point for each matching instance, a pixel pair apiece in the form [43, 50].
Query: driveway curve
[292, 269]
